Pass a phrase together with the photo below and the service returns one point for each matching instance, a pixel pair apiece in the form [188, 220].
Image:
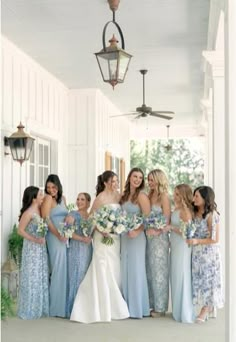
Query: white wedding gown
[99, 298]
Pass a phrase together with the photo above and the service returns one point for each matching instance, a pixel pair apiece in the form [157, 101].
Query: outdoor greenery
[182, 159]
[15, 245]
[7, 304]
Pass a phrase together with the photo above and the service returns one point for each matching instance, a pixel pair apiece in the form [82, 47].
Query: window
[40, 162]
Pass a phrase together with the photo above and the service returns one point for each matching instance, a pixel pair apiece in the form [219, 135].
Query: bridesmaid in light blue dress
[133, 248]
[55, 211]
[157, 254]
[180, 258]
[80, 250]
[33, 291]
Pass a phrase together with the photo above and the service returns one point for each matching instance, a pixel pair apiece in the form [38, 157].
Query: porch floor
[130, 330]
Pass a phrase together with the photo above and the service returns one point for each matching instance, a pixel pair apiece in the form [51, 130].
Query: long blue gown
[157, 263]
[180, 275]
[57, 251]
[33, 291]
[78, 258]
[133, 270]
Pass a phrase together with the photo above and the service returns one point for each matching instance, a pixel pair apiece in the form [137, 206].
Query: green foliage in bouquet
[15, 245]
[7, 304]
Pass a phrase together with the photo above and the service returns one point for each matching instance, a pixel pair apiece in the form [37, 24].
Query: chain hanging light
[113, 61]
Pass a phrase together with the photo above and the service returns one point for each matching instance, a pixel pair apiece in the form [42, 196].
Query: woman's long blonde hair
[161, 180]
[186, 194]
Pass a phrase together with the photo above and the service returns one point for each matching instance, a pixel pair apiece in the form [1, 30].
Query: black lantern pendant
[113, 61]
[20, 144]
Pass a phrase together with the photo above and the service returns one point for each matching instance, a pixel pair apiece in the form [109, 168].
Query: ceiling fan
[144, 110]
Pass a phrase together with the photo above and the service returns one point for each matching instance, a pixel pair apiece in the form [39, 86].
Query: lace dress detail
[157, 263]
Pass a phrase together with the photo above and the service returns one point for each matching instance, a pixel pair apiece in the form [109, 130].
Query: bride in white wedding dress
[99, 298]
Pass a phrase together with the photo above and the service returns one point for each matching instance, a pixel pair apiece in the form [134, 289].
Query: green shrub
[7, 304]
[15, 245]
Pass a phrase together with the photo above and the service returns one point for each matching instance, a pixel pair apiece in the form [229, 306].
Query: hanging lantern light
[113, 61]
[20, 144]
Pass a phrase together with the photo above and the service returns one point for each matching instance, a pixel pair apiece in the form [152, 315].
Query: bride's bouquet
[187, 229]
[66, 230]
[108, 221]
[155, 220]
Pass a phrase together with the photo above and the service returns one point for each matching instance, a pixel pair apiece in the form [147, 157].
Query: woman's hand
[62, 238]
[40, 241]
[69, 219]
[133, 233]
[86, 239]
[192, 242]
[153, 232]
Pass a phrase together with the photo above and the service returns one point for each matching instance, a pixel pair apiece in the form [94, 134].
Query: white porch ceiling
[164, 36]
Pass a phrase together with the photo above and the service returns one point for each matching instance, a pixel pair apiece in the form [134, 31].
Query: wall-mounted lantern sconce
[20, 144]
[113, 61]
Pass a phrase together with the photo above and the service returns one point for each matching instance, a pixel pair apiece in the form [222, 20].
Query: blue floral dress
[133, 270]
[79, 255]
[180, 275]
[157, 263]
[33, 291]
[206, 266]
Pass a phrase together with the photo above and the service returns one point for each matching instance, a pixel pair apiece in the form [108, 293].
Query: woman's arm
[165, 204]
[24, 221]
[45, 212]
[209, 240]
[145, 206]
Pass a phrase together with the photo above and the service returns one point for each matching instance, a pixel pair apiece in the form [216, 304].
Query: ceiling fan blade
[161, 115]
[115, 116]
[163, 112]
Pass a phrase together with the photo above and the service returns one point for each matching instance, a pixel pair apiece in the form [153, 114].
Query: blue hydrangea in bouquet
[86, 226]
[42, 227]
[155, 220]
[108, 221]
[66, 230]
[187, 229]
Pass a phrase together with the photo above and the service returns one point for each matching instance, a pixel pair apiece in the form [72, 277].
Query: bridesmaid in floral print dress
[33, 291]
[206, 259]
[157, 252]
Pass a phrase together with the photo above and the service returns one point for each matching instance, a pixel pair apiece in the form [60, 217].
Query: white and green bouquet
[42, 227]
[66, 230]
[132, 221]
[187, 229]
[86, 226]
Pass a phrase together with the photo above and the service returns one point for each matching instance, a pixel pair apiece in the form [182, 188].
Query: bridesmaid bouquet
[42, 227]
[155, 221]
[132, 221]
[66, 230]
[108, 221]
[187, 229]
[86, 226]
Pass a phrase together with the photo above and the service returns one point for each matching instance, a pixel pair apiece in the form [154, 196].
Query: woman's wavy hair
[126, 193]
[30, 193]
[208, 195]
[161, 182]
[186, 194]
[102, 179]
[56, 181]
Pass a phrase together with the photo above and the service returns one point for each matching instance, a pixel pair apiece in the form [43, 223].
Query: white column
[216, 61]
[230, 177]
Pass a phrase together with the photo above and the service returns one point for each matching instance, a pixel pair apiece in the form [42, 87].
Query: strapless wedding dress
[99, 298]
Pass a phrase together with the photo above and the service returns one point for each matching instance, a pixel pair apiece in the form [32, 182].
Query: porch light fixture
[20, 144]
[113, 61]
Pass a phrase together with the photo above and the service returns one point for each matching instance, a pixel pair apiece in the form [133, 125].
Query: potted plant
[15, 245]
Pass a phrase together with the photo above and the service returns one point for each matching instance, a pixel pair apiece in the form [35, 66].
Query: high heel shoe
[203, 316]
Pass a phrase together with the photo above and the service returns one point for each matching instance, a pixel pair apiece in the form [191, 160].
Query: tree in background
[181, 159]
